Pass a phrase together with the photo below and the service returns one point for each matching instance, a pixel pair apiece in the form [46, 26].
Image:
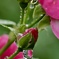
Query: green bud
[23, 5]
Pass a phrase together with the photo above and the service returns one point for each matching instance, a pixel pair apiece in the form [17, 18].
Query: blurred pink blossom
[55, 27]
[11, 49]
[51, 7]
[30, 53]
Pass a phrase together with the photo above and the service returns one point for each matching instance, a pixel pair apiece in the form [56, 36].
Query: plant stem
[36, 21]
[15, 53]
[21, 22]
[5, 47]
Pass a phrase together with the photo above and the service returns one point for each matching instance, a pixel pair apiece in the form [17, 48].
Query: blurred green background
[9, 10]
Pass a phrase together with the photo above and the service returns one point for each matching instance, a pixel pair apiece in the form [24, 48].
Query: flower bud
[33, 31]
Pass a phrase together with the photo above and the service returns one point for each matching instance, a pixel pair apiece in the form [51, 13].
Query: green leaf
[44, 22]
[7, 22]
[23, 41]
[38, 11]
[47, 46]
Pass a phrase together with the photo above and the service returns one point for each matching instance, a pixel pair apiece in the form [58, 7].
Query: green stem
[15, 53]
[21, 22]
[36, 21]
[29, 13]
[5, 47]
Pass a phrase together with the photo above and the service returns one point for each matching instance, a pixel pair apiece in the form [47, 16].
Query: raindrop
[31, 6]
[25, 52]
[20, 16]
[26, 25]
[41, 15]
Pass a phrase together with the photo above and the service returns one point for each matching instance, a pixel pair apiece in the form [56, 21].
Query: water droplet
[31, 6]
[41, 15]
[26, 25]
[20, 16]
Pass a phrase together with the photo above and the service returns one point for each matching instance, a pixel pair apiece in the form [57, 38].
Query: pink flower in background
[11, 49]
[30, 53]
[55, 27]
[51, 8]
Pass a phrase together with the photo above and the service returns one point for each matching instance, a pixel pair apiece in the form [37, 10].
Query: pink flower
[30, 53]
[11, 49]
[51, 8]
[55, 27]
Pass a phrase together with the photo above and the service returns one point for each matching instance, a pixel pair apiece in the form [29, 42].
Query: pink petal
[30, 52]
[3, 40]
[51, 7]
[55, 27]
[10, 50]
[19, 56]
